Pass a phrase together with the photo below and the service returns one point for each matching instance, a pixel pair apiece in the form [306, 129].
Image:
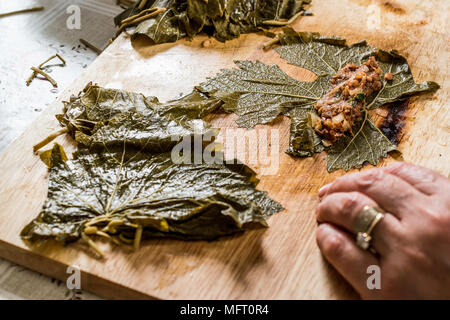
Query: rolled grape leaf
[117, 191]
[221, 19]
[303, 140]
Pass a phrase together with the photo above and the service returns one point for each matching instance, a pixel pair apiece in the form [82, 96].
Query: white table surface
[27, 40]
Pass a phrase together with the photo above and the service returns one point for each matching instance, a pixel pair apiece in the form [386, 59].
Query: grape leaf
[258, 93]
[367, 145]
[402, 86]
[120, 189]
[303, 140]
[326, 55]
[124, 182]
[222, 19]
[95, 106]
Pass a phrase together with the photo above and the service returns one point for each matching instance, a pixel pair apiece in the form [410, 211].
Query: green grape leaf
[367, 145]
[221, 19]
[402, 86]
[95, 107]
[327, 55]
[303, 140]
[127, 182]
[132, 189]
[258, 93]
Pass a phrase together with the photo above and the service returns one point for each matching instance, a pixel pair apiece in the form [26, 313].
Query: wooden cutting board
[281, 262]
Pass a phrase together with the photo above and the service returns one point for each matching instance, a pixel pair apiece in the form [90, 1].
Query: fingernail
[323, 190]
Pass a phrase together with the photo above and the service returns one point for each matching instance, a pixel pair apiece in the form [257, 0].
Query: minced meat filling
[341, 107]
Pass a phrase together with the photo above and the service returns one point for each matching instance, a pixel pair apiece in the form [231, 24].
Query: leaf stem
[142, 4]
[90, 46]
[271, 42]
[137, 237]
[39, 70]
[51, 58]
[46, 75]
[50, 138]
[92, 244]
[140, 14]
[125, 240]
[30, 78]
[282, 23]
[139, 19]
[21, 11]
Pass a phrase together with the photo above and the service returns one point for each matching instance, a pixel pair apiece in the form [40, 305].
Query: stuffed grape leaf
[258, 93]
[222, 19]
[327, 55]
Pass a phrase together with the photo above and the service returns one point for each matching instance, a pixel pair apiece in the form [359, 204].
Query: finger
[423, 179]
[342, 252]
[390, 192]
[343, 209]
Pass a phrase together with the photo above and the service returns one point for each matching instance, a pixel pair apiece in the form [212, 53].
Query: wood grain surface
[283, 261]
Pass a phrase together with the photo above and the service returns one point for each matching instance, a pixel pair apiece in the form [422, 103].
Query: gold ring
[364, 225]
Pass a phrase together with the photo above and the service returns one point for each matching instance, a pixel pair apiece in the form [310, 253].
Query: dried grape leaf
[222, 19]
[258, 93]
[119, 190]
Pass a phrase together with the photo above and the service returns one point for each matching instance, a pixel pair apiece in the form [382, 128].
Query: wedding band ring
[364, 225]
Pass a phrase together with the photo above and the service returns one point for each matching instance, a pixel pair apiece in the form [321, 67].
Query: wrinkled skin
[412, 241]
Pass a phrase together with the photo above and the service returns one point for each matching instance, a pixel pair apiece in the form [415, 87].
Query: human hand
[412, 241]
